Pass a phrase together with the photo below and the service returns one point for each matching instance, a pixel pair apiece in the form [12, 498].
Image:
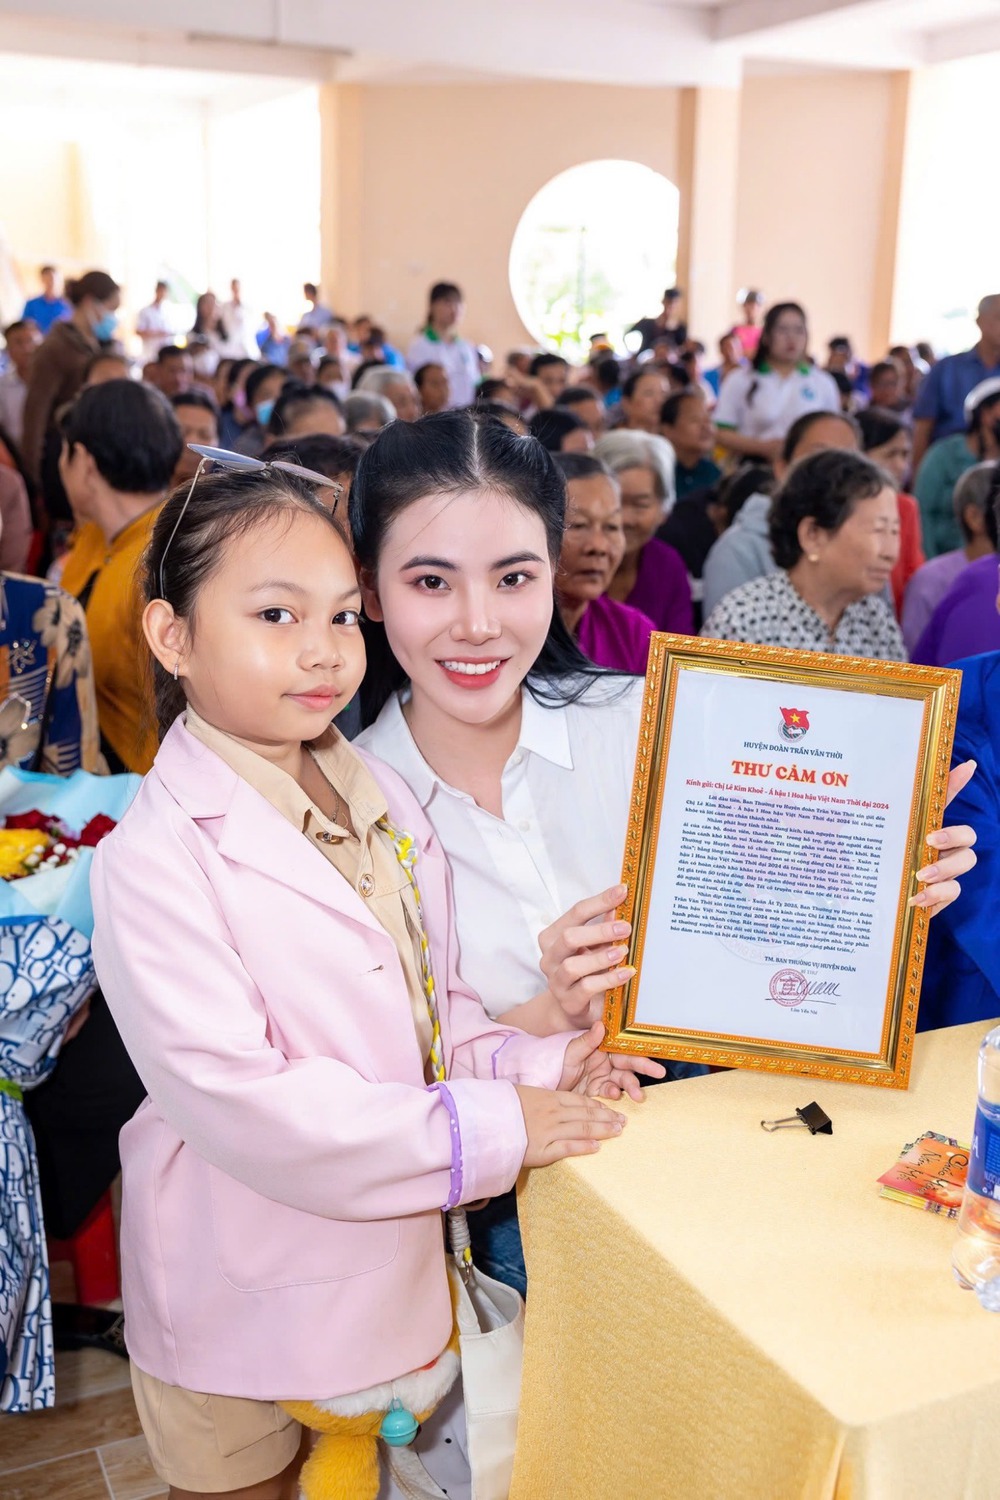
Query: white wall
[812, 179]
[950, 218]
[191, 189]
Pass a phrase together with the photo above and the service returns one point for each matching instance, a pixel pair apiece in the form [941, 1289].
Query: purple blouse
[615, 635]
[924, 593]
[966, 622]
[662, 591]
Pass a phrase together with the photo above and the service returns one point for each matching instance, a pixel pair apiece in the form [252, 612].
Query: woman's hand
[608, 1075]
[564, 1124]
[577, 961]
[940, 879]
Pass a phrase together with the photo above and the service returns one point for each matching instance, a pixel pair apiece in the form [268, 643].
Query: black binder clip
[816, 1121]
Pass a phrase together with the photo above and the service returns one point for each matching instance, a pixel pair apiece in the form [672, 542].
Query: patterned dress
[770, 611]
[48, 711]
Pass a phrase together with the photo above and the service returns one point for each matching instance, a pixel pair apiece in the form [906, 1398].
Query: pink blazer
[281, 1233]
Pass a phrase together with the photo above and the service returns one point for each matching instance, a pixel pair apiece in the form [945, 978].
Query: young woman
[519, 751]
[314, 1099]
[758, 404]
[440, 343]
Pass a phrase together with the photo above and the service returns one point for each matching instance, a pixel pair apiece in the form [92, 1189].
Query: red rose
[34, 820]
[96, 829]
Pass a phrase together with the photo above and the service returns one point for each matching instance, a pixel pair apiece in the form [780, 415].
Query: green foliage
[570, 297]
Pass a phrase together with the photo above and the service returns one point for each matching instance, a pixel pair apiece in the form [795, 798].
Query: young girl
[520, 752]
[259, 941]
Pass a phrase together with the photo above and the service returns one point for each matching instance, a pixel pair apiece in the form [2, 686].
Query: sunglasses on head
[222, 458]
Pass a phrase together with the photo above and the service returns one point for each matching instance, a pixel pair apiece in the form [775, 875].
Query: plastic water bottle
[976, 1257]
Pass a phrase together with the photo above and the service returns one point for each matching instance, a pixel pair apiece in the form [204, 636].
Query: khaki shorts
[212, 1443]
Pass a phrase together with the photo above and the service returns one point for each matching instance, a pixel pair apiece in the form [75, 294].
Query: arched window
[595, 249]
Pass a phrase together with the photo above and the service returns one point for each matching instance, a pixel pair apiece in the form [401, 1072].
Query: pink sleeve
[312, 1133]
[491, 1141]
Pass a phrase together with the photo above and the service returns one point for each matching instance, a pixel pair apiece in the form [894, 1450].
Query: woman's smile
[472, 672]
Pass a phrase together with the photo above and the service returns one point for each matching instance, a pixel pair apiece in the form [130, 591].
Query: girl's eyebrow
[449, 567]
[278, 584]
[430, 562]
[518, 557]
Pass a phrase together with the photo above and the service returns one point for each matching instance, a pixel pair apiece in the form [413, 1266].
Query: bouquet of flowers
[49, 826]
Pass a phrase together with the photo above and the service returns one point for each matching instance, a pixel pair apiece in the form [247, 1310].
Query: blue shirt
[274, 351]
[962, 972]
[43, 312]
[941, 398]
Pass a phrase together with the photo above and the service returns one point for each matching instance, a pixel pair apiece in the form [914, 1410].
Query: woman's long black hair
[453, 453]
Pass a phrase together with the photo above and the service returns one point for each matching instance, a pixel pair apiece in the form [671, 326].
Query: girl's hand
[564, 1124]
[582, 957]
[940, 879]
[605, 1074]
[76, 1024]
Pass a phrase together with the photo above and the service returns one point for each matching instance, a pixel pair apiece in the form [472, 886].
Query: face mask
[262, 411]
[104, 328]
[339, 388]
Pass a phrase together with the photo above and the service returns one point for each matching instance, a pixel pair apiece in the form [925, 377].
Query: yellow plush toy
[344, 1463]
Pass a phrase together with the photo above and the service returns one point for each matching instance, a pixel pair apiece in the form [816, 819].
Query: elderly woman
[947, 460]
[888, 442]
[835, 539]
[396, 386]
[366, 413]
[651, 577]
[965, 622]
[611, 634]
[930, 584]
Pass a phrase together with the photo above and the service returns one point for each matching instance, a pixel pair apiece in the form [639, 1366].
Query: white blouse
[566, 791]
[762, 404]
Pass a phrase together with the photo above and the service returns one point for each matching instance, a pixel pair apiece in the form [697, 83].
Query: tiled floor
[89, 1448]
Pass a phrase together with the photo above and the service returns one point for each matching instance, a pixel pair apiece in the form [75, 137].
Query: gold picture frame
[701, 929]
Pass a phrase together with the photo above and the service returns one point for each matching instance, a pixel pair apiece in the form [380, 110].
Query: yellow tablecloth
[716, 1313]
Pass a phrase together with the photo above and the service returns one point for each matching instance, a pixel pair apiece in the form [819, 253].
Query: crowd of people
[456, 564]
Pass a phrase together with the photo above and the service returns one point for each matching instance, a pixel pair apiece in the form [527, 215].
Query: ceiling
[638, 42]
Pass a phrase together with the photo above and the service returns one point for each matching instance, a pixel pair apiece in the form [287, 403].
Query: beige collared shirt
[367, 861]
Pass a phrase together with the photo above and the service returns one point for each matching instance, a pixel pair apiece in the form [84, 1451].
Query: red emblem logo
[789, 987]
[795, 723]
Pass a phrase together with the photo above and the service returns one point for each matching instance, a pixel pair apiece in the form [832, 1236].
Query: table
[719, 1313]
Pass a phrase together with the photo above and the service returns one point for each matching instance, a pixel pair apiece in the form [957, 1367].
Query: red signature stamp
[789, 987]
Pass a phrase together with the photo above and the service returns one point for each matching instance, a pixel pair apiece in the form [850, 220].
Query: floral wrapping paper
[46, 973]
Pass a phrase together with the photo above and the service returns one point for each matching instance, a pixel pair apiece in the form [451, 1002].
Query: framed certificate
[780, 807]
